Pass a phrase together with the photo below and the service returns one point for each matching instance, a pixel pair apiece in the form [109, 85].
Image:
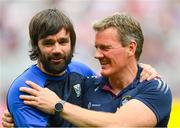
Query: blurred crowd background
[160, 21]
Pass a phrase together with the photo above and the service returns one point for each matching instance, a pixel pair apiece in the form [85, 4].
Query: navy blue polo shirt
[154, 93]
[67, 86]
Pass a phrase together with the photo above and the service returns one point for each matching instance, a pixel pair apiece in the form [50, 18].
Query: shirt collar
[105, 85]
[39, 72]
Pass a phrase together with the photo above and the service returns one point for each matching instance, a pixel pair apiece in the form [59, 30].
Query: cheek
[44, 54]
[68, 50]
[119, 58]
[45, 50]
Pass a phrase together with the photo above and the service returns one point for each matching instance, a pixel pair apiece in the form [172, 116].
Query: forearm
[83, 117]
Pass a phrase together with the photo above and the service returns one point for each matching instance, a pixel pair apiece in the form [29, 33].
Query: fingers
[29, 91]
[153, 75]
[7, 121]
[144, 76]
[7, 125]
[149, 75]
[31, 103]
[144, 66]
[32, 91]
[33, 85]
[148, 72]
[7, 113]
[28, 98]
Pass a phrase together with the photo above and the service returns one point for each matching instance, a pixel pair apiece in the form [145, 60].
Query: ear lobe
[132, 48]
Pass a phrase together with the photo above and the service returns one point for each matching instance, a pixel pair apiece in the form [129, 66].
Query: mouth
[104, 62]
[57, 60]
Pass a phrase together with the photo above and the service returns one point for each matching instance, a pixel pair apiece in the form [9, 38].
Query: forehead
[107, 36]
[63, 33]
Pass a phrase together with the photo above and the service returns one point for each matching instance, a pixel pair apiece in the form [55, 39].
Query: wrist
[59, 106]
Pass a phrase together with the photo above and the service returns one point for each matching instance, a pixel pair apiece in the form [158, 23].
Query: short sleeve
[157, 96]
[23, 115]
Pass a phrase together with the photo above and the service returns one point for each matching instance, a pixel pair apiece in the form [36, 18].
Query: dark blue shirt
[67, 86]
[154, 93]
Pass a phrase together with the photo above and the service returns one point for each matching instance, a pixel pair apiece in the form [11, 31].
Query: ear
[132, 48]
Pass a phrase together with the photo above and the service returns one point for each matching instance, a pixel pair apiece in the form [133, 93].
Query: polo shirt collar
[105, 85]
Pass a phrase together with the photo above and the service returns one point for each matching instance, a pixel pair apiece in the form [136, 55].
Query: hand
[148, 72]
[7, 120]
[41, 98]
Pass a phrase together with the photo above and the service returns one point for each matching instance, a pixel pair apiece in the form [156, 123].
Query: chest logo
[77, 89]
[125, 99]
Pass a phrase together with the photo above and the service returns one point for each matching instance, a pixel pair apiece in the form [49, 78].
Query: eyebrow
[59, 40]
[47, 40]
[44, 41]
[102, 45]
[63, 39]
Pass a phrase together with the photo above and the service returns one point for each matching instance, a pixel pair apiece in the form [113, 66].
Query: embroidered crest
[77, 89]
[125, 99]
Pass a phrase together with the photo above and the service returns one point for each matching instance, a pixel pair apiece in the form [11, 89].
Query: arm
[23, 115]
[135, 112]
[125, 116]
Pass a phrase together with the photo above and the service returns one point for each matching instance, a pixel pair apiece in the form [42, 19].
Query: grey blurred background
[160, 21]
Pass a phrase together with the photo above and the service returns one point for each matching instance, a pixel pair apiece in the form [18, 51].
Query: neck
[43, 70]
[123, 78]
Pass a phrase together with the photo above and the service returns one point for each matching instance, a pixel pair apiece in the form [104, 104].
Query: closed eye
[103, 47]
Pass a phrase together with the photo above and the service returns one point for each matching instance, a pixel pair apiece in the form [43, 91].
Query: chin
[105, 73]
[108, 72]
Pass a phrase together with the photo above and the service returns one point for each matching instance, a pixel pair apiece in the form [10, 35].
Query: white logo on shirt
[77, 89]
[96, 89]
[93, 105]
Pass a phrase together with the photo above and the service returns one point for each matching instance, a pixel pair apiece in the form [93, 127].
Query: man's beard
[53, 68]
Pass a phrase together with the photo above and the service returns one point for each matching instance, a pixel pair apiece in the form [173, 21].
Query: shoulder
[156, 94]
[13, 100]
[20, 80]
[20, 112]
[155, 89]
[28, 74]
[81, 68]
[75, 76]
[155, 85]
[93, 82]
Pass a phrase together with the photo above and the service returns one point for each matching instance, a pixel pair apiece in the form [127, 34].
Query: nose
[57, 48]
[98, 54]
